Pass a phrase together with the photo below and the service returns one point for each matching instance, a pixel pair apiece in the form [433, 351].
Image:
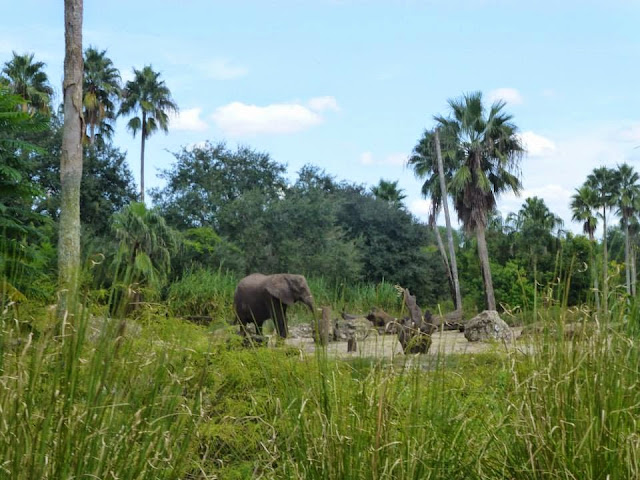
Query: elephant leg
[280, 319]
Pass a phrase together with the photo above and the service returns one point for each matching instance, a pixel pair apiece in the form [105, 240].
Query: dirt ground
[388, 346]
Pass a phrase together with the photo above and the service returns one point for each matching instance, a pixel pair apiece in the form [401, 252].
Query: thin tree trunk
[445, 260]
[605, 265]
[633, 271]
[483, 254]
[144, 126]
[71, 157]
[535, 288]
[447, 219]
[594, 273]
[627, 257]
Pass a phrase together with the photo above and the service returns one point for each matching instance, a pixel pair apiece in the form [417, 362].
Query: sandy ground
[388, 346]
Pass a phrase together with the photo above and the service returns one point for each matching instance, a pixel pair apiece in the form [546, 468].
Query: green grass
[160, 397]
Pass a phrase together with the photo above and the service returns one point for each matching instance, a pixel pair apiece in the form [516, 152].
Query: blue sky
[351, 85]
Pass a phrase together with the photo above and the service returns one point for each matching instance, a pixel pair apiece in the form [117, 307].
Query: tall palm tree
[28, 79]
[428, 162]
[389, 192]
[627, 203]
[584, 205]
[605, 182]
[488, 152]
[148, 95]
[101, 92]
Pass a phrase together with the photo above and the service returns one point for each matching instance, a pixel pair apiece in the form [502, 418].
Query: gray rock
[487, 326]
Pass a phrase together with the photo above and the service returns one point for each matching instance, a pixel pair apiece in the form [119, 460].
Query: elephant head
[289, 289]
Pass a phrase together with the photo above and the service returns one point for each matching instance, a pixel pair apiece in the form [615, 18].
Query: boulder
[345, 329]
[487, 326]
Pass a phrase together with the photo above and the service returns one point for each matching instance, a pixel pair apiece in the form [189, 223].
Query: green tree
[487, 150]
[604, 182]
[628, 200]
[148, 96]
[27, 79]
[389, 192]
[205, 179]
[146, 245]
[584, 205]
[101, 92]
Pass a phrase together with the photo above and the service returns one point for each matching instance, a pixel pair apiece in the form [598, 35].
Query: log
[324, 327]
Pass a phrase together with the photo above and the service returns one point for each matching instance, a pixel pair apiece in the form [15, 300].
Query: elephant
[261, 297]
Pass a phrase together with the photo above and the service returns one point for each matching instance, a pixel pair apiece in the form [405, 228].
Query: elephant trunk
[308, 301]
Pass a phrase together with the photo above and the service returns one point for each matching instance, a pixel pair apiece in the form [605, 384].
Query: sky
[350, 86]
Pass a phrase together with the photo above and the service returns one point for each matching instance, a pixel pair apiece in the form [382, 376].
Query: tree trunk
[627, 257]
[594, 273]
[483, 254]
[633, 271]
[535, 288]
[143, 135]
[447, 219]
[445, 261]
[605, 265]
[71, 157]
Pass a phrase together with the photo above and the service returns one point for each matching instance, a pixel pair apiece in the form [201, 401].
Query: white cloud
[630, 134]
[366, 158]
[393, 159]
[420, 207]
[240, 119]
[509, 95]
[537, 145]
[322, 104]
[188, 120]
[223, 69]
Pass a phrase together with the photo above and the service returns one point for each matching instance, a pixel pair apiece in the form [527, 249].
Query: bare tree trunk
[594, 273]
[483, 254]
[71, 157]
[144, 126]
[633, 271]
[447, 219]
[605, 265]
[445, 260]
[627, 257]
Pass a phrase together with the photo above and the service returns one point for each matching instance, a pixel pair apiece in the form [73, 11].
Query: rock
[487, 326]
[302, 330]
[358, 328]
[413, 340]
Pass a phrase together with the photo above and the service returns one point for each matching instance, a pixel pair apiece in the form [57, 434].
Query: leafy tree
[71, 158]
[628, 200]
[206, 178]
[26, 78]
[148, 95]
[203, 248]
[389, 192]
[487, 151]
[101, 92]
[604, 182]
[146, 245]
[584, 205]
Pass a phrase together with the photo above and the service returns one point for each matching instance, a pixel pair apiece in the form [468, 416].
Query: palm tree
[428, 162]
[27, 79]
[101, 92]
[389, 192]
[70, 158]
[604, 181]
[584, 204]
[147, 94]
[627, 202]
[488, 151]
[536, 223]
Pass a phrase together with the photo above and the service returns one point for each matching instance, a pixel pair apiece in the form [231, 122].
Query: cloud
[537, 145]
[188, 120]
[509, 95]
[239, 119]
[630, 134]
[322, 104]
[420, 207]
[393, 159]
[223, 69]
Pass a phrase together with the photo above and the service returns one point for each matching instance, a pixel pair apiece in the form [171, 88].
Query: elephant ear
[278, 286]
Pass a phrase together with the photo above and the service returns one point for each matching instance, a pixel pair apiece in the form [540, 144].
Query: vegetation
[143, 375]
